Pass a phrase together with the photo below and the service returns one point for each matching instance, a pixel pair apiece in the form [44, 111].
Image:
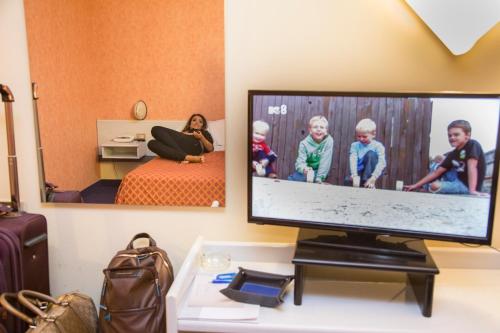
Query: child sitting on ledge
[262, 155]
[315, 153]
[366, 156]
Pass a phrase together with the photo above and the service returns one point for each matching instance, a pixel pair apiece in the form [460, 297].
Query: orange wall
[61, 64]
[169, 53]
[95, 59]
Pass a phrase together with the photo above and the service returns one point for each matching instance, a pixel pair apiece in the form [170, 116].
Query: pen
[224, 278]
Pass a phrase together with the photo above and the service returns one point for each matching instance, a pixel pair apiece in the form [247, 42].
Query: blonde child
[315, 153]
[367, 155]
[262, 155]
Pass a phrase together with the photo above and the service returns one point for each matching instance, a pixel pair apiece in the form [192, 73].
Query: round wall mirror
[140, 110]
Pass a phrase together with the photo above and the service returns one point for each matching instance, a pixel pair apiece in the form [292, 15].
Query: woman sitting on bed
[186, 146]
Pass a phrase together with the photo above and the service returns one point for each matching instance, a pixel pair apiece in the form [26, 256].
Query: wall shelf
[134, 150]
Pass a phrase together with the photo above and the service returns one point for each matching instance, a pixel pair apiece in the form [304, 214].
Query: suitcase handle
[8, 99]
[7, 95]
[35, 240]
[10, 308]
[23, 295]
[34, 90]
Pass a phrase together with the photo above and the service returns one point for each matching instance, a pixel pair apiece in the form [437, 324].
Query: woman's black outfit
[174, 145]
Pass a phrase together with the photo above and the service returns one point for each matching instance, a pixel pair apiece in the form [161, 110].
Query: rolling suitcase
[23, 236]
[10, 256]
[48, 190]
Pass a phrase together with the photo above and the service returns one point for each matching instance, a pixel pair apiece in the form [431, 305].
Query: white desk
[466, 296]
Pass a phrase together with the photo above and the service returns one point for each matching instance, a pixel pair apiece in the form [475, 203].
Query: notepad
[204, 293]
[205, 302]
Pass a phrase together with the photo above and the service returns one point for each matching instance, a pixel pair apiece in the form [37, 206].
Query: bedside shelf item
[134, 150]
[123, 139]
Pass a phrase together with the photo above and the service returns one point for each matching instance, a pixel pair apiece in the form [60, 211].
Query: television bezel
[365, 229]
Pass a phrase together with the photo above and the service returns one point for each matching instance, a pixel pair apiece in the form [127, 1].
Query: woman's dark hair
[188, 124]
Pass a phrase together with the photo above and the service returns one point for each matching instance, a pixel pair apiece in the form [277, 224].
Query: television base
[365, 242]
[420, 272]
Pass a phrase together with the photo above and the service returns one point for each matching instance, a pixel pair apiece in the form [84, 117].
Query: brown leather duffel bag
[71, 313]
[134, 289]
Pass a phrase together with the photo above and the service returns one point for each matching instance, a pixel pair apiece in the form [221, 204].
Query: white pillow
[217, 129]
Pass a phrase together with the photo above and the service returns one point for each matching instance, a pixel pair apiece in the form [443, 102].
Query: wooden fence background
[403, 127]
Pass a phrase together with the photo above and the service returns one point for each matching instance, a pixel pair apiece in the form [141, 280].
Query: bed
[168, 183]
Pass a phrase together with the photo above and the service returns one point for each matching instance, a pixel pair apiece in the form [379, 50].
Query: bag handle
[10, 308]
[152, 242]
[23, 295]
[8, 99]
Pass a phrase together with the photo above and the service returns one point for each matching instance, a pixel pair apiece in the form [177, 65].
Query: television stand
[420, 270]
[364, 242]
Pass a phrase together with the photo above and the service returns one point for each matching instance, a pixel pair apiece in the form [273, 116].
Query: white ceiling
[458, 23]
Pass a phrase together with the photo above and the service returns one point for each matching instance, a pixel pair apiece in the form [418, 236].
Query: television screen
[418, 165]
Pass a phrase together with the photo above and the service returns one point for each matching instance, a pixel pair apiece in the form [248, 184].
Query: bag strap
[10, 308]
[152, 242]
[23, 296]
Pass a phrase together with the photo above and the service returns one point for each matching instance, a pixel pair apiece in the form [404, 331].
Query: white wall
[15, 73]
[270, 44]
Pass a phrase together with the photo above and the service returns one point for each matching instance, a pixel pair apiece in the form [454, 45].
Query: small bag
[70, 313]
[53, 195]
[134, 290]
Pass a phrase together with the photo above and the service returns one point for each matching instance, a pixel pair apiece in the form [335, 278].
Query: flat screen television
[418, 165]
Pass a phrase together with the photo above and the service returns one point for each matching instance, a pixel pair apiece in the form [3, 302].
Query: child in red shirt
[262, 155]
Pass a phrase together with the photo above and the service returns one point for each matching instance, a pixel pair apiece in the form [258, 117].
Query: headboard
[108, 129]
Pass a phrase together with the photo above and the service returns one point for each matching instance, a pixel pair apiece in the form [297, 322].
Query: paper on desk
[206, 293]
[206, 302]
[248, 313]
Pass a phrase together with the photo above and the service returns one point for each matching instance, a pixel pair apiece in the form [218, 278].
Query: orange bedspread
[169, 183]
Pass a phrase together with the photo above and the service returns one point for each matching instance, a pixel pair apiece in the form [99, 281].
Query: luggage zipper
[107, 314]
[140, 257]
[104, 287]
[165, 261]
[157, 283]
[146, 254]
